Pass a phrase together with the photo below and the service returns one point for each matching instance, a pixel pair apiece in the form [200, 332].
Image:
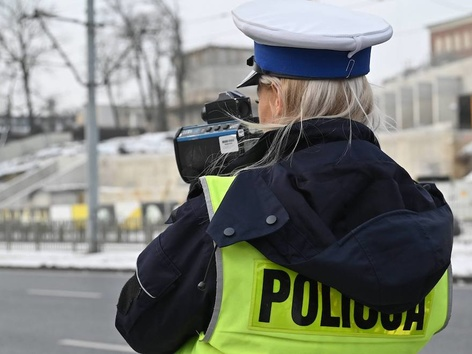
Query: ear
[276, 102]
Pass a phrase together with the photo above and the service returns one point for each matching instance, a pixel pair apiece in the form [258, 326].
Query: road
[59, 312]
[456, 338]
[64, 312]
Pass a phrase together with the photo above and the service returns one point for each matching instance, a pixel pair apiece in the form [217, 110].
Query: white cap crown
[307, 40]
[309, 24]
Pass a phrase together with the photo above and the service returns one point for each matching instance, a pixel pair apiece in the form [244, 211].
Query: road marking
[65, 293]
[64, 273]
[96, 345]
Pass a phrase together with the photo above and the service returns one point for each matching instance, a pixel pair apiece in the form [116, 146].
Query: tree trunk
[27, 92]
[152, 97]
[114, 108]
[180, 70]
[142, 92]
[161, 122]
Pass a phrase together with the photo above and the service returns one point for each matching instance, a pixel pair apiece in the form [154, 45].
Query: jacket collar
[312, 132]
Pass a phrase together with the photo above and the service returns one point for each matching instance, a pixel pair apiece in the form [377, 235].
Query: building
[129, 117]
[209, 71]
[214, 69]
[451, 40]
[17, 127]
[430, 106]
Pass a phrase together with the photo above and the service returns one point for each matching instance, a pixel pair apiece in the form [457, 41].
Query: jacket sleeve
[161, 307]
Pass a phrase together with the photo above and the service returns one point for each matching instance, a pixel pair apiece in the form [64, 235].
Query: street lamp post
[91, 132]
[91, 135]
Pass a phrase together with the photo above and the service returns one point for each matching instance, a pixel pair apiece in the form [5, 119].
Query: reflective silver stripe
[206, 191]
[218, 298]
[141, 285]
[219, 267]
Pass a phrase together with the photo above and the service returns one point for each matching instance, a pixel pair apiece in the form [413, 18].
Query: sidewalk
[462, 259]
[112, 258]
[123, 258]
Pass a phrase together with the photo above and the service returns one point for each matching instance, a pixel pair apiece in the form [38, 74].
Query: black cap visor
[250, 80]
[253, 77]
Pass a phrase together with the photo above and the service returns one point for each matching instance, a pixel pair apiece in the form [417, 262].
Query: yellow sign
[286, 301]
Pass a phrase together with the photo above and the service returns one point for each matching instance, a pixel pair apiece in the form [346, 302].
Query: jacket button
[271, 219]
[228, 232]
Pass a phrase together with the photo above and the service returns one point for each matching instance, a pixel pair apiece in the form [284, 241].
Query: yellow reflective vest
[262, 307]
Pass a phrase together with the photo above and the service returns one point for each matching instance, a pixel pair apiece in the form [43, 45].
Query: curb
[67, 268]
[54, 267]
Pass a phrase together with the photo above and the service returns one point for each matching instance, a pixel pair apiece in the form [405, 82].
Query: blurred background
[93, 93]
[157, 62]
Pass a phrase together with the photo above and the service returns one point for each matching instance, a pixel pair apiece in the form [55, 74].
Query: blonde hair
[352, 99]
[306, 99]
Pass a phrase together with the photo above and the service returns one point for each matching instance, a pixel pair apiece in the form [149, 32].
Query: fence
[72, 234]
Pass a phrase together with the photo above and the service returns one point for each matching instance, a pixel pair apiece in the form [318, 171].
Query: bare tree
[176, 53]
[129, 30]
[9, 79]
[110, 65]
[22, 44]
[148, 27]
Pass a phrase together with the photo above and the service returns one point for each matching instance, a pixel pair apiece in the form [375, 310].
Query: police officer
[317, 241]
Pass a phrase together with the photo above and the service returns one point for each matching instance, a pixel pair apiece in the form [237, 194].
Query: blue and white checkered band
[305, 63]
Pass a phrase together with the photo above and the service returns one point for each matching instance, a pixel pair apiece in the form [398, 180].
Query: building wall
[451, 40]
[212, 70]
[32, 144]
[128, 117]
[140, 177]
[433, 151]
[431, 126]
[435, 91]
[423, 153]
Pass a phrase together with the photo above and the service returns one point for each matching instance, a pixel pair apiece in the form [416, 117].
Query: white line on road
[96, 345]
[65, 293]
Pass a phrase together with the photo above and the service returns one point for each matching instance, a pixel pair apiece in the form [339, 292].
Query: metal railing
[72, 234]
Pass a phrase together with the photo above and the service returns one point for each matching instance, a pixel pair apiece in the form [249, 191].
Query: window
[438, 45]
[457, 42]
[467, 37]
[449, 44]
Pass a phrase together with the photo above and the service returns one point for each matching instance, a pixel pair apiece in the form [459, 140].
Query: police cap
[304, 39]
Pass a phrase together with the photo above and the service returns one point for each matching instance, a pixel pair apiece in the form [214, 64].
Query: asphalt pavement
[456, 337]
[60, 312]
[72, 312]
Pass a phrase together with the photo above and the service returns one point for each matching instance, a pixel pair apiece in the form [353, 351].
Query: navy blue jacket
[346, 215]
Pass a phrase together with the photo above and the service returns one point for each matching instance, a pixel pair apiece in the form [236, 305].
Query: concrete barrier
[25, 184]
[32, 144]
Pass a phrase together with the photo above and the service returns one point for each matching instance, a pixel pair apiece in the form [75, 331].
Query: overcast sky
[209, 22]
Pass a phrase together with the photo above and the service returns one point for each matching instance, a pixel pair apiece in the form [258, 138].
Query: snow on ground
[161, 142]
[462, 253]
[462, 258]
[123, 257]
[149, 143]
[114, 257]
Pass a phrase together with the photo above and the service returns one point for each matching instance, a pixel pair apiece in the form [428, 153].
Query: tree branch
[61, 52]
